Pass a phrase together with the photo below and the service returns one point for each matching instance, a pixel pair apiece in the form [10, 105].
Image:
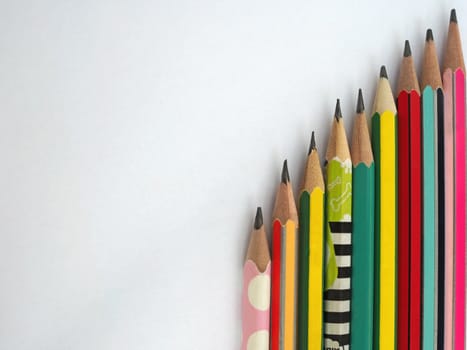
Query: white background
[137, 138]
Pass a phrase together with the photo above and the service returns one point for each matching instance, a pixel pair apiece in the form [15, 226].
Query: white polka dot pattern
[258, 341]
[255, 307]
[258, 299]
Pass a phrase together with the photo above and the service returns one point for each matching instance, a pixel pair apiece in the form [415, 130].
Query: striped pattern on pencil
[337, 309]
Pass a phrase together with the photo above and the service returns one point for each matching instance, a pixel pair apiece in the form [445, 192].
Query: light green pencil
[338, 237]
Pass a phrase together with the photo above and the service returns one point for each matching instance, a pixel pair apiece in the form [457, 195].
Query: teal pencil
[363, 210]
[432, 99]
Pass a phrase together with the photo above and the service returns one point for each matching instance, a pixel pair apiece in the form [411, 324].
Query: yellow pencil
[311, 254]
[384, 129]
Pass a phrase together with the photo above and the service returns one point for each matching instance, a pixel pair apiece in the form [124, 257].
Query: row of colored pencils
[374, 257]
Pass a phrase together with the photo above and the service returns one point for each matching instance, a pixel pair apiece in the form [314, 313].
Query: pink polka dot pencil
[284, 266]
[256, 289]
[454, 111]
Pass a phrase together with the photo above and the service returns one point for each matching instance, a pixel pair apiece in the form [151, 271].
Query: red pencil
[409, 206]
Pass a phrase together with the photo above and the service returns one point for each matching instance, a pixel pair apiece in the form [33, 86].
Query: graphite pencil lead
[383, 73]
[312, 143]
[429, 35]
[258, 218]
[360, 104]
[338, 113]
[407, 51]
[285, 173]
[453, 17]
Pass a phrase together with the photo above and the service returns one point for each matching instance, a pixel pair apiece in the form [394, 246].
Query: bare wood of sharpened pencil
[313, 176]
[431, 75]
[337, 145]
[284, 207]
[361, 143]
[408, 76]
[384, 100]
[453, 57]
[258, 249]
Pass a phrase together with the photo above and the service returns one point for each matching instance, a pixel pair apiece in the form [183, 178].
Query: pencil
[449, 210]
[283, 282]
[256, 289]
[363, 210]
[403, 294]
[311, 254]
[384, 137]
[433, 198]
[338, 237]
[454, 90]
[410, 205]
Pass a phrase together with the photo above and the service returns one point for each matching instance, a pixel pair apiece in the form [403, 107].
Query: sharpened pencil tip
[312, 143]
[383, 73]
[285, 178]
[258, 218]
[407, 50]
[429, 35]
[360, 104]
[453, 17]
[338, 112]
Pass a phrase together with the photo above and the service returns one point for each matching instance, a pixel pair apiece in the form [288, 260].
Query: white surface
[137, 138]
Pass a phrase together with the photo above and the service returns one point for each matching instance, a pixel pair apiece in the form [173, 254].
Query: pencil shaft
[449, 211]
[283, 285]
[403, 294]
[454, 89]
[303, 270]
[410, 220]
[255, 305]
[384, 131]
[311, 259]
[363, 197]
[441, 220]
[316, 268]
[416, 204]
[338, 240]
[459, 267]
[290, 233]
[430, 215]
[276, 285]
